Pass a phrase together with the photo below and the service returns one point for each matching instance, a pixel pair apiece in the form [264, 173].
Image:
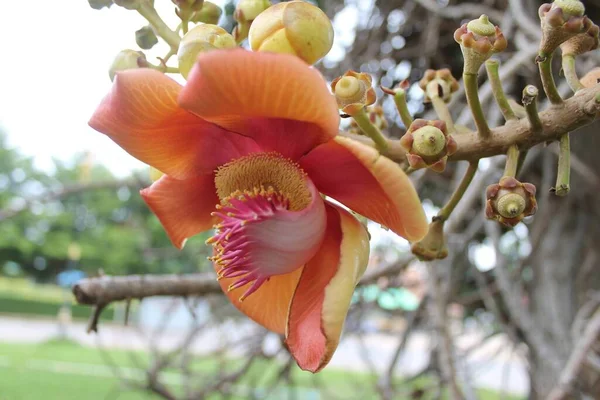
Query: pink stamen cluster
[233, 244]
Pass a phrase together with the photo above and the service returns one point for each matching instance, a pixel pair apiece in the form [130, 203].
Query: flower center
[511, 205]
[264, 171]
[272, 220]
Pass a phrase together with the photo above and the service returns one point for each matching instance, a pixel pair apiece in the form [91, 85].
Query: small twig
[445, 212]
[148, 11]
[364, 123]
[127, 309]
[545, 66]
[530, 94]
[568, 66]
[491, 67]
[512, 161]
[471, 90]
[563, 177]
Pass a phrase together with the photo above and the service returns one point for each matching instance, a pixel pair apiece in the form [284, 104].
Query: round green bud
[482, 26]
[126, 59]
[201, 38]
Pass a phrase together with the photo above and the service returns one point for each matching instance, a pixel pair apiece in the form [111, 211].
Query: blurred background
[497, 319]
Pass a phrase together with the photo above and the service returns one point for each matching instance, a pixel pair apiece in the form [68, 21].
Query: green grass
[61, 370]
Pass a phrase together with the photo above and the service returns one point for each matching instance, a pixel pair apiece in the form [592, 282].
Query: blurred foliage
[81, 217]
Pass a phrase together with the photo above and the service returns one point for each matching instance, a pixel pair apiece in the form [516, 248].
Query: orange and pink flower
[248, 147]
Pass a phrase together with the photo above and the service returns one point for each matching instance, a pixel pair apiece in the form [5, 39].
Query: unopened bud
[145, 38]
[561, 20]
[210, 13]
[479, 40]
[127, 59]
[245, 13]
[509, 201]
[428, 144]
[353, 91]
[200, 39]
[293, 27]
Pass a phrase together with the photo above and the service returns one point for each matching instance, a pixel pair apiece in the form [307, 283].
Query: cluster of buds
[428, 145]
[210, 13]
[509, 201]
[245, 13]
[441, 81]
[377, 118]
[479, 39]
[201, 38]
[353, 91]
[127, 59]
[293, 27]
[561, 20]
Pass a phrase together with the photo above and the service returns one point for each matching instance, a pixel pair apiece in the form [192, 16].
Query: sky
[57, 74]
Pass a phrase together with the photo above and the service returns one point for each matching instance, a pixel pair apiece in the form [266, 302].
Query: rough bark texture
[565, 262]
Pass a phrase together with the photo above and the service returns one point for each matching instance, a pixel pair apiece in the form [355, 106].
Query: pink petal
[324, 293]
[368, 183]
[276, 99]
[142, 116]
[183, 206]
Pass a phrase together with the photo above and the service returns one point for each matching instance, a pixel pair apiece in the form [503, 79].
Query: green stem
[470, 81]
[530, 94]
[445, 212]
[163, 68]
[564, 167]
[568, 65]
[170, 54]
[545, 66]
[364, 123]
[521, 162]
[440, 106]
[491, 67]
[512, 161]
[400, 100]
[184, 26]
[149, 12]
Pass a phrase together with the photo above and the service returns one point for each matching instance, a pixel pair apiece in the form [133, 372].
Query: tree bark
[567, 231]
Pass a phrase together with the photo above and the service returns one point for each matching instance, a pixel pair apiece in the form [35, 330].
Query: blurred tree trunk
[565, 260]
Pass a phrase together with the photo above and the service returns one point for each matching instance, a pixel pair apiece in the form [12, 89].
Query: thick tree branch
[580, 110]
[107, 289]
[101, 291]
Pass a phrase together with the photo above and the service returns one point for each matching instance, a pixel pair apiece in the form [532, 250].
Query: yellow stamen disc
[258, 171]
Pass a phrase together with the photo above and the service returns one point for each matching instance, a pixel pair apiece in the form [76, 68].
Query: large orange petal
[251, 93]
[368, 183]
[183, 206]
[142, 116]
[269, 305]
[323, 295]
